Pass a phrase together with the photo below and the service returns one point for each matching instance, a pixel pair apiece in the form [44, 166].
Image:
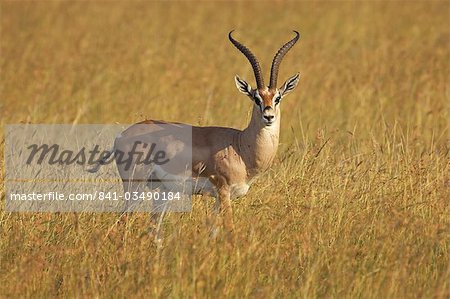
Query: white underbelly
[185, 184]
[199, 185]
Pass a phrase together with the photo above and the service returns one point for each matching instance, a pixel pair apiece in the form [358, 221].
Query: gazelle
[225, 161]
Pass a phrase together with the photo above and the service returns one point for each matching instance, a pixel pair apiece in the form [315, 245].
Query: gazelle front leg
[226, 211]
[222, 206]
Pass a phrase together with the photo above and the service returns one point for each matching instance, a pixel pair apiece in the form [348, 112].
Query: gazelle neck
[259, 142]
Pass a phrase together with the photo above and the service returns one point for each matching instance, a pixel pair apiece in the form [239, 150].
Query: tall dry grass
[357, 202]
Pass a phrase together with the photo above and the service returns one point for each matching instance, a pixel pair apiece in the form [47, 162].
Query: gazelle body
[225, 161]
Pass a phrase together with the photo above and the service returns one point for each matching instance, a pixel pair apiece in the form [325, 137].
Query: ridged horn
[278, 58]
[251, 58]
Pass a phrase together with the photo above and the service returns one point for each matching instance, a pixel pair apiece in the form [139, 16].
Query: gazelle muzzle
[268, 115]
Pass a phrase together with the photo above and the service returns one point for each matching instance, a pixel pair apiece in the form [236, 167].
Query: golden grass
[357, 202]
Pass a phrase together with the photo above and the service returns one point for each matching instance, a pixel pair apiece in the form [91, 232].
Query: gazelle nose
[269, 117]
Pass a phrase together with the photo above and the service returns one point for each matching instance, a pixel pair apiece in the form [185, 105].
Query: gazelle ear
[243, 86]
[290, 84]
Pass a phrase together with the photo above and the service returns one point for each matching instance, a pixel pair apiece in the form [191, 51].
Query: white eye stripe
[277, 98]
[258, 98]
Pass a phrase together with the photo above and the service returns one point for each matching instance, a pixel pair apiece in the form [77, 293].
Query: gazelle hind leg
[157, 214]
[164, 184]
[134, 184]
[132, 189]
[156, 231]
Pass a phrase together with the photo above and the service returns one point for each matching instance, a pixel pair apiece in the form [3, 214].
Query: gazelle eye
[277, 100]
[257, 101]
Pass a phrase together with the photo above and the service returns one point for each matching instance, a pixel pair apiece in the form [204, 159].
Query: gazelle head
[266, 98]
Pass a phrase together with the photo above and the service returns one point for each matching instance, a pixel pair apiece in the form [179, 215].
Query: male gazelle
[225, 161]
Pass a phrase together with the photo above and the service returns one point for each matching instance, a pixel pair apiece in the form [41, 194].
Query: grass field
[357, 203]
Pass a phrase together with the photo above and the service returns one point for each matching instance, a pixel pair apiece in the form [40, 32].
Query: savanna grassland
[357, 203]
